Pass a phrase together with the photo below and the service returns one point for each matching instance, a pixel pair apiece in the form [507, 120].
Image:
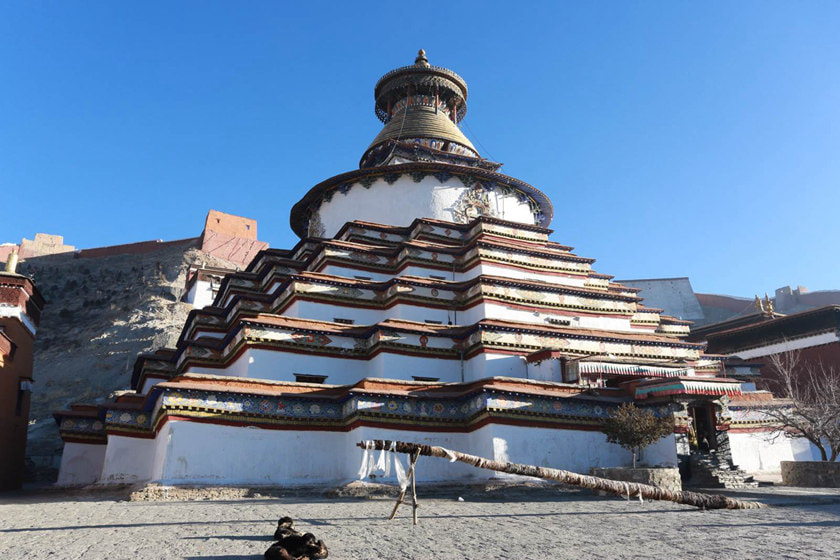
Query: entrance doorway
[703, 423]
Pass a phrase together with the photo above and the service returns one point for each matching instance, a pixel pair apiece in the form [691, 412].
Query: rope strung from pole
[696, 499]
[399, 134]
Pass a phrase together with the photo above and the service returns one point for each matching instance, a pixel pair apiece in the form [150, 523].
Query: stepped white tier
[425, 302]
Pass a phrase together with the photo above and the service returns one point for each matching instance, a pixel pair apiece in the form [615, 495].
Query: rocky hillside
[101, 312]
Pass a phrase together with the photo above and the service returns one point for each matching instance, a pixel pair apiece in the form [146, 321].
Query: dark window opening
[308, 378]
[343, 321]
[430, 322]
[421, 378]
[362, 277]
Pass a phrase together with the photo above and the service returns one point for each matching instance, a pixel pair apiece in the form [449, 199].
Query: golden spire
[759, 307]
[421, 59]
[11, 263]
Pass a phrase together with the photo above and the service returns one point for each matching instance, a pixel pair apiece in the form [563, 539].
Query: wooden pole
[397, 505]
[414, 504]
[697, 499]
[401, 495]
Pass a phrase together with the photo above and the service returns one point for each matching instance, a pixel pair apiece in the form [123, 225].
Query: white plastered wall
[788, 345]
[761, 451]
[489, 269]
[281, 366]
[257, 363]
[546, 370]
[212, 454]
[489, 365]
[81, 464]
[574, 450]
[397, 366]
[148, 383]
[362, 316]
[485, 269]
[404, 201]
[131, 459]
[194, 454]
[200, 294]
[17, 312]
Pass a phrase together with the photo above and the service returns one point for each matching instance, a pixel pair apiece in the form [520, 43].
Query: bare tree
[810, 407]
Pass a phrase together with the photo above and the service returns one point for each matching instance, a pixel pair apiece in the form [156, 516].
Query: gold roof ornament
[768, 305]
[759, 307]
[421, 59]
[12, 262]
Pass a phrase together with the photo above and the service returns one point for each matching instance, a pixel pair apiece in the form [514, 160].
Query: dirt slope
[101, 312]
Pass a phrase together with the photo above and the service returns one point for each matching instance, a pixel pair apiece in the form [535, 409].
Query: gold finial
[768, 305]
[11, 263]
[421, 59]
[758, 305]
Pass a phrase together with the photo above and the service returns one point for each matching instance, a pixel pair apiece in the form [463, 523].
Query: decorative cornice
[301, 211]
[449, 407]
[411, 291]
[379, 154]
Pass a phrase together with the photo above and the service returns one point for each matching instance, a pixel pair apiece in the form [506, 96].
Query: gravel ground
[569, 524]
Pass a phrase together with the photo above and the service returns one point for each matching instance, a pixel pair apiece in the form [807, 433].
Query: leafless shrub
[636, 428]
[811, 401]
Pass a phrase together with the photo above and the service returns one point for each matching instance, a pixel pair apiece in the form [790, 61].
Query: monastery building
[424, 302]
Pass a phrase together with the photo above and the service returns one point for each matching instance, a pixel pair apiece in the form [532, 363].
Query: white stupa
[424, 302]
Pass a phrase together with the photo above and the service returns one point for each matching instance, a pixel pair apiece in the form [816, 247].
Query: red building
[20, 312]
[813, 334]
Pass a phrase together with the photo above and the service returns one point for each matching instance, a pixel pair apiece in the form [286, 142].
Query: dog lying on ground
[293, 545]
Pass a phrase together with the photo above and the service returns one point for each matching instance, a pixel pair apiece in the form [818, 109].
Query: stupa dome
[420, 165]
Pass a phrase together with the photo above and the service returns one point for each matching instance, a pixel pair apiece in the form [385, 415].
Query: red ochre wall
[826, 354]
[225, 236]
[14, 417]
[235, 226]
[230, 237]
[138, 248]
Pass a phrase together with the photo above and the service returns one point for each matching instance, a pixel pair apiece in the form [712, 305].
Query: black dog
[294, 545]
[285, 527]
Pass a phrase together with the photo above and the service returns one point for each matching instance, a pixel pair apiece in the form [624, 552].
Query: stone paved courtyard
[802, 524]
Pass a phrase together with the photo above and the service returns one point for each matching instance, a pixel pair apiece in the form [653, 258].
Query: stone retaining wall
[662, 477]
[813, 474]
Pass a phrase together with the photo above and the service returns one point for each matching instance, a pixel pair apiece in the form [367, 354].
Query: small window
[436, 277]
[430, 322]
[343, 321]
[421, 378]
[308, 378]
[248, 226]
[362, 277]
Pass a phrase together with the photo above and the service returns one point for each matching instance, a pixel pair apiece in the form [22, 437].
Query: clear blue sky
[674, 138]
